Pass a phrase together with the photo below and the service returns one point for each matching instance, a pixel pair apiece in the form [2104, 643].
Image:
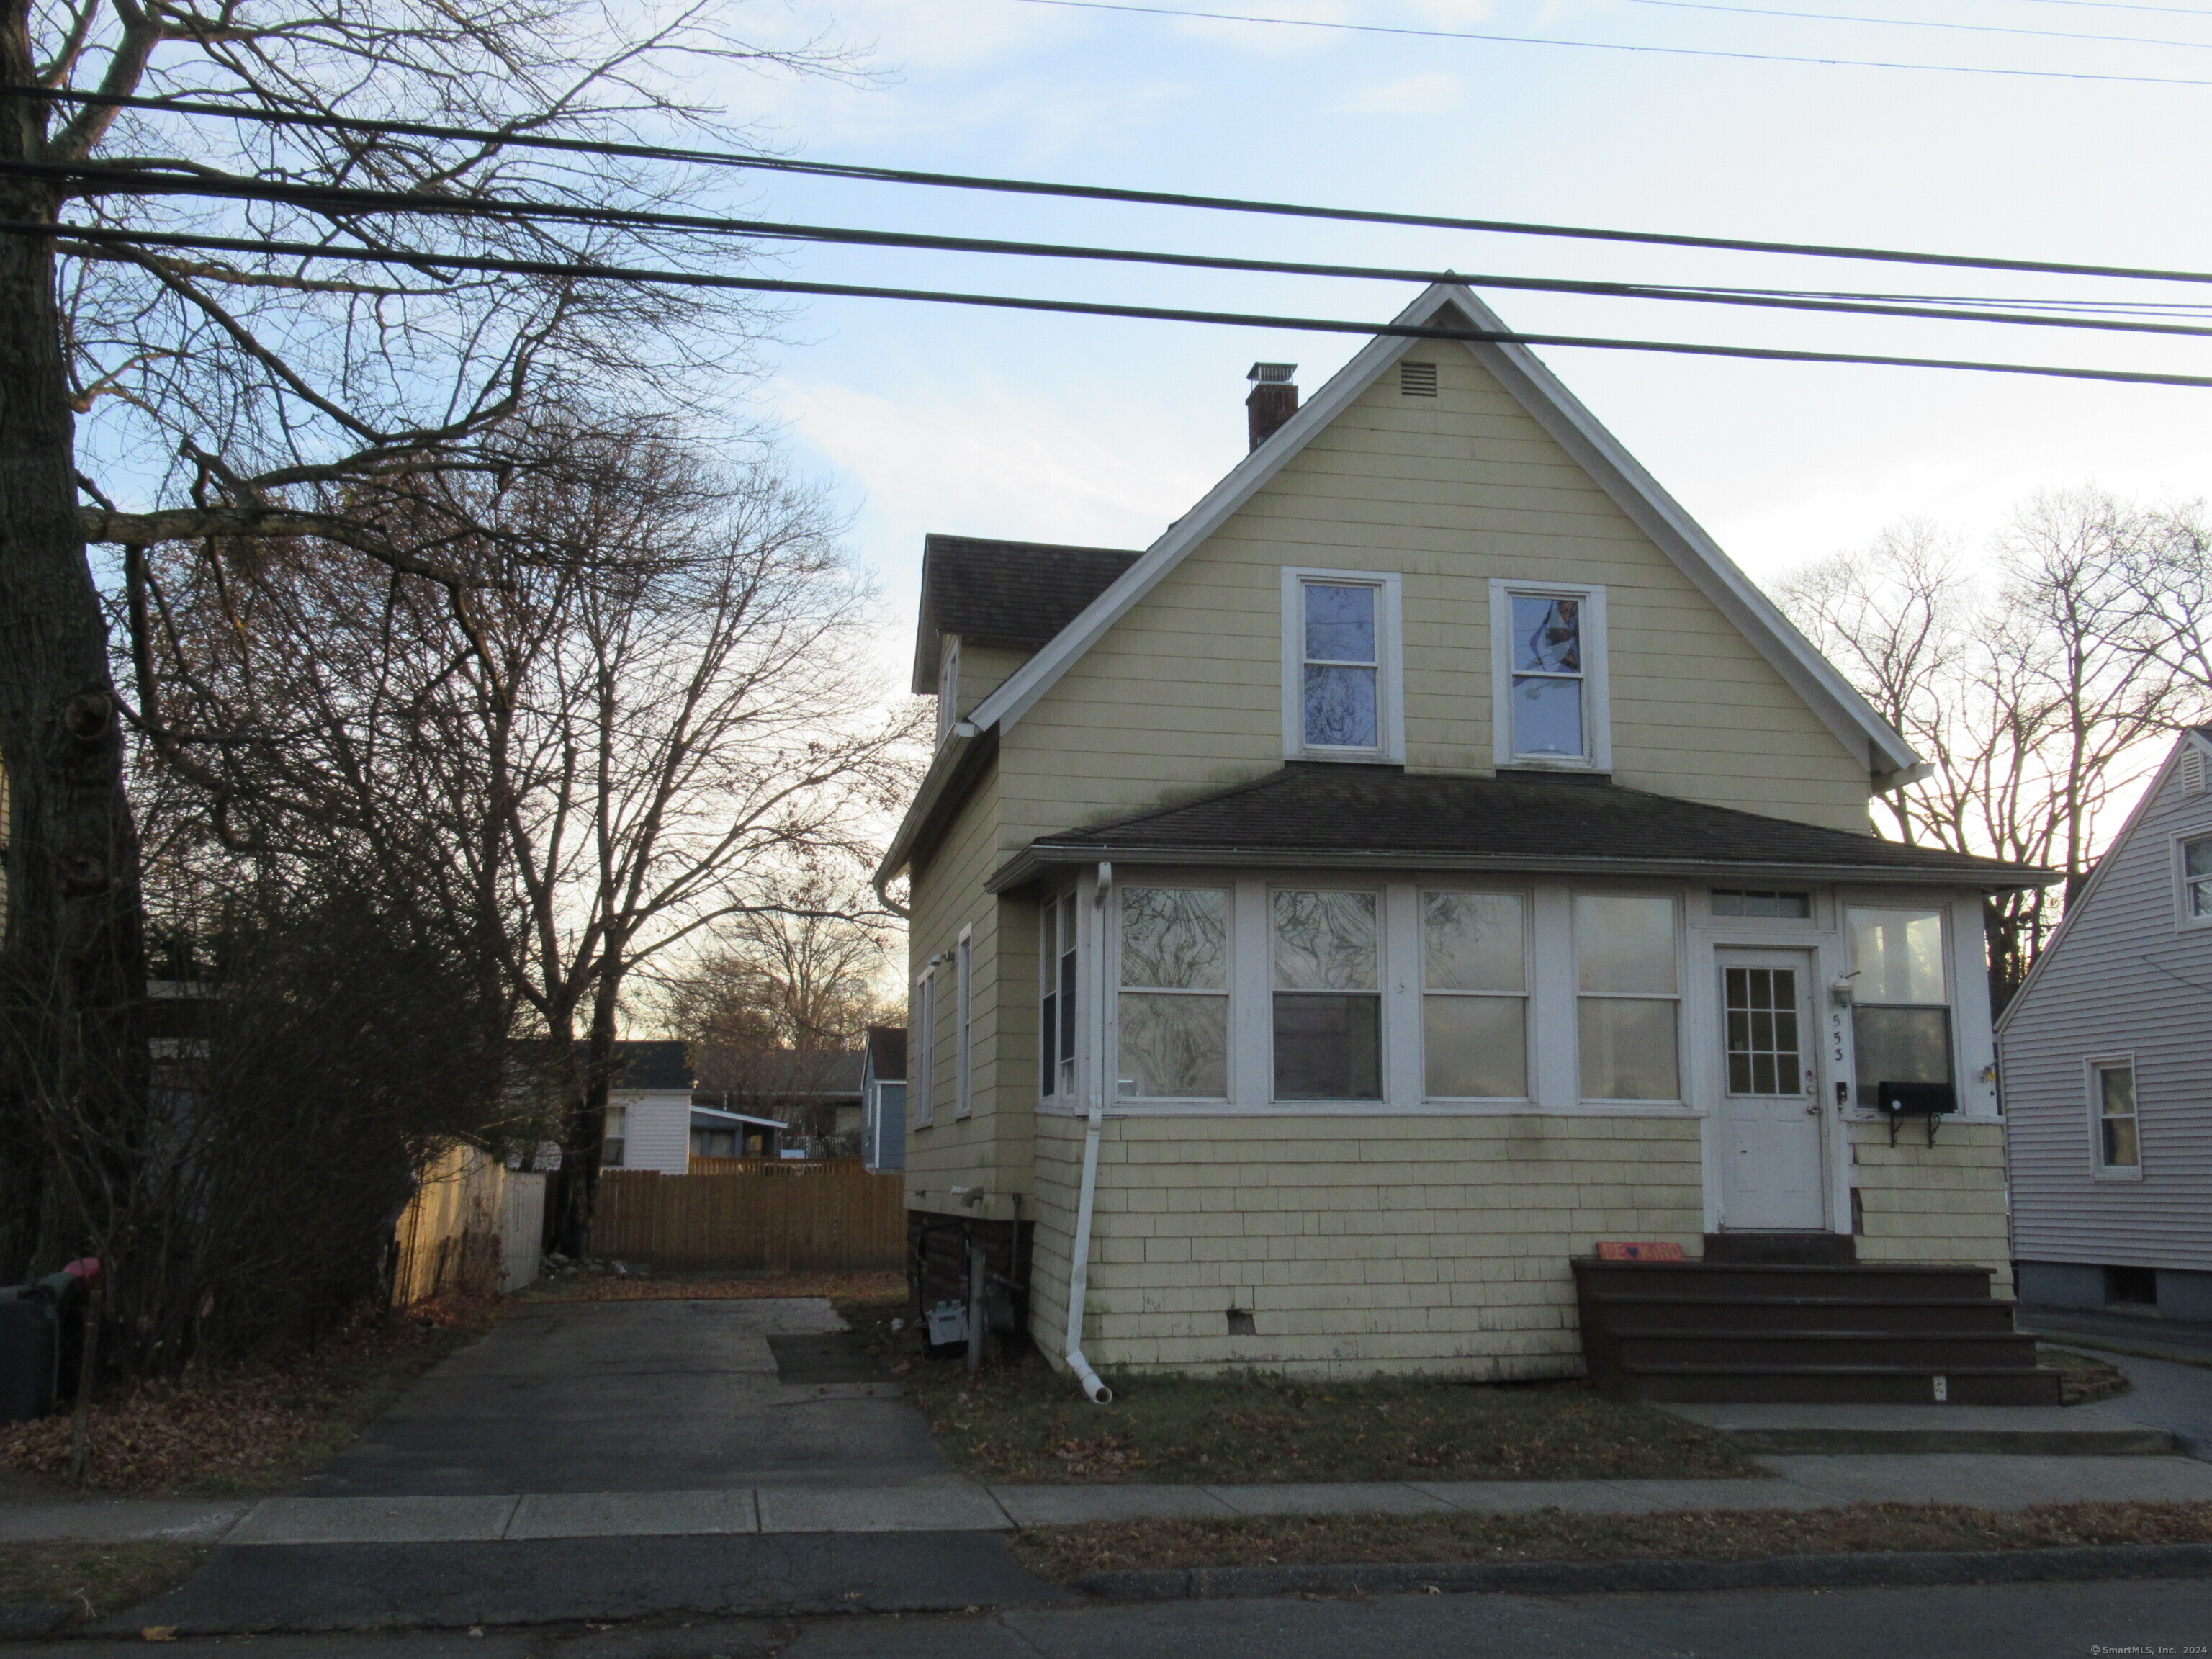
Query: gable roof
[1016, 595]
[1846, 714]
[658, 1064]
[1378, 817]
[887, 1053]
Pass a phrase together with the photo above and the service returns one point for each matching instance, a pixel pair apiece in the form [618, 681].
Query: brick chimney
[1273, 400]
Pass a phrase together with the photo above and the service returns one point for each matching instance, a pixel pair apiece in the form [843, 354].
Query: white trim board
[1889, 760]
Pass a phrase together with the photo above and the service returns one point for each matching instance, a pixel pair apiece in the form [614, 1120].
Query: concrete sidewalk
[1983, 1482]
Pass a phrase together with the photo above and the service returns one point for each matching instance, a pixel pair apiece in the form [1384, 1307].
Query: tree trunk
[72, 970]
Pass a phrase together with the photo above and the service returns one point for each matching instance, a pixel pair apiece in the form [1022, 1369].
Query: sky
[1101, 431]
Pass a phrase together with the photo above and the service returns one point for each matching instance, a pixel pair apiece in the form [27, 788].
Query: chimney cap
[1270, 373]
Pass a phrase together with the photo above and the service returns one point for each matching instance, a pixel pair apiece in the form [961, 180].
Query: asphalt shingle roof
[1333, 812]
[660, 1064]
[887, 1049]
[1012, 595]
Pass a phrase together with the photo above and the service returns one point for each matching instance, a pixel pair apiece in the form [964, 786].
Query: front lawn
[1066, 1553]
[1022, 1424]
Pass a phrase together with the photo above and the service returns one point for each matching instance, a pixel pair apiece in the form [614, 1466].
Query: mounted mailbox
[1925, 1100]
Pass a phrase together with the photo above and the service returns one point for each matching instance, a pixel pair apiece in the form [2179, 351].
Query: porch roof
[1380, 817]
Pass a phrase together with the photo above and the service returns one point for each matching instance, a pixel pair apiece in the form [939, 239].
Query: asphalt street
[2020, 1621]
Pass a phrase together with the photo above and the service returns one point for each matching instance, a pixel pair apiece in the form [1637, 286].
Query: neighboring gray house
[2107, 1070]
[883, 1099]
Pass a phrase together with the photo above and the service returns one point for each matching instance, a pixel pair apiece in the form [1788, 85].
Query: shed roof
[1378, 816]
[1016, 595]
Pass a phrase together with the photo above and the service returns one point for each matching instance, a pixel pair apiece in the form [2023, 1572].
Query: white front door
[1770, 1125]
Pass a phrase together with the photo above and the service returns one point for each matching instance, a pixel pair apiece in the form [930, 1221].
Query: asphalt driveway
[644, 1396]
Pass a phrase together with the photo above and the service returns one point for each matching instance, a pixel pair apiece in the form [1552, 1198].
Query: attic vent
[2192, 770]
[1417, 380]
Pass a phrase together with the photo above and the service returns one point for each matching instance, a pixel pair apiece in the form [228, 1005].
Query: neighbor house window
[963, 1053]
[1327, 995]
[617, 1138]
[923, 1063]
[1174, 997]
[1627, 991]
[1761, 901]
[2113, 1099]
[1341, 667]
[1901, 1003]
[948, 689]
[2197, 879]
[1547, 649]
[1474, 996]
[1056, 1006]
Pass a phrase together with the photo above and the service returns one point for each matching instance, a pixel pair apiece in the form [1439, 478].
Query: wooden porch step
[1833, 1385]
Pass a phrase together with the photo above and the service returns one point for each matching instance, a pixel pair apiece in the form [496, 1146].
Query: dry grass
[98, 1578]
[2082, 1377]
[585, 1286]
[1065, 1554]
[251, 1428]
[1021, 1423]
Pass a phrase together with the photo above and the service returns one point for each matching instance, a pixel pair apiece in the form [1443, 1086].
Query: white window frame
[1597, 716]
[964, 1052]
[1526, 996]
[2184, 919]
[2094, 1069]
[1681, 1096]
[922, 1097]
[1229, 993]
[1390, 666]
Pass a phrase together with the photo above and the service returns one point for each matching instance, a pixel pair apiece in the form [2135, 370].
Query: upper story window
[1547, 645]
[1174, 997]
[1340, 666]
[1900, 999]
[2195, 855]
[1628, 988]
[2112, 1104]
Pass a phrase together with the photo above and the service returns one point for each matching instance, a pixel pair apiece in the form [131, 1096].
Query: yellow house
[1429, 860]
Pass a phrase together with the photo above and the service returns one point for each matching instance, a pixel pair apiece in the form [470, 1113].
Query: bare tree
[2030, 686]
[257, 391]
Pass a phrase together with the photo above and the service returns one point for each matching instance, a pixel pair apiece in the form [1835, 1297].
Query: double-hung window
[1628, 990]
[1056, 1011]
[2112, 1107]
[1174, 995]
[616, 1140]
[923, 1063]
[1547, 645]
[1325, 950]
[963, 1053]
[2195, 855]
[1901, 1003]
[1474, 996]
[1340, 673]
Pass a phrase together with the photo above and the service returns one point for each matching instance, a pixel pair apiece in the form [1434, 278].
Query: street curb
[2011, 1442]
[2076, 1564]
[27, 1621]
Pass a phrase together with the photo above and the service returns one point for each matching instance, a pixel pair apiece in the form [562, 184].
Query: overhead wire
[1616, 46]
[338, 200]
[96, 234]
[1096, 192]
[1919, 23]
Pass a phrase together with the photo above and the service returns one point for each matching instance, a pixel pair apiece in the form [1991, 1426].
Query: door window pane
[1175, 936]
[1472, 942]
[1900, 1045]
[1325, 941]
[1625, 942]
[1763, 1054]
[1328, 1047]
[1477, 1048]
[1175, 1048]
[1899, 956]
[1628, 1048]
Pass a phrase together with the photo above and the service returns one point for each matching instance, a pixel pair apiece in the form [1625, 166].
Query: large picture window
[1327, 952]
[1901, 1005]
[1474, 996]
[1173, 998]
[1627, 995]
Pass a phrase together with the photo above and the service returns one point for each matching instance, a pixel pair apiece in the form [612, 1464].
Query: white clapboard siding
[659, 1132]
[2122, 977]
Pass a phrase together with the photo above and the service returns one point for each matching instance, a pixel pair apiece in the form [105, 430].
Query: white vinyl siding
[656, 1129]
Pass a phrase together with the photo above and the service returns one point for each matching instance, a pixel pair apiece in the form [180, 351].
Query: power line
[2123, 5]
[1920, 23]
[1615, 45]
[338, 200]
[1096, 193]
[97, 234]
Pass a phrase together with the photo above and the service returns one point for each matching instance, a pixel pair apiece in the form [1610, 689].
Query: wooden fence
[789, 1166]
[471, 1229]
[840, 1220]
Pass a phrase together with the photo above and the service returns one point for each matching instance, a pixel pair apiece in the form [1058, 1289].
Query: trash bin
[30, 1349]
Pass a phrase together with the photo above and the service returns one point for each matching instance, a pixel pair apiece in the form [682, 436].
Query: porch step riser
[1950, 1319]
[1834, 1389]
[1933, 1353]
[1726, 1281]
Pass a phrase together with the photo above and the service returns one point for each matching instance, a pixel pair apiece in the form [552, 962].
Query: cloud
[1416, 94]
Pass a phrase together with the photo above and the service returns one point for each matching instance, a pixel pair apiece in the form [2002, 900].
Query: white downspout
[1078, 1274]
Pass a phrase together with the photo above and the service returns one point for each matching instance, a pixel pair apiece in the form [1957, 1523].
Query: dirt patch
[1021, 1423]
[607, 1285]
[250, 1428]
[98, 1579]
[1065, 1554]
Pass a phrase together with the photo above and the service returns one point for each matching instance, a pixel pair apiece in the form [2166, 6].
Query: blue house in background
[882, 1098]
